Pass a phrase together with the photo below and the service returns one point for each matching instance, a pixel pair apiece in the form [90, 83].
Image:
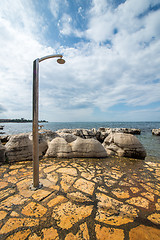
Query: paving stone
[34, 209]
[40, 194]
[13, 200]
[108, 217]
[50, 234]
[19, 235]
[108, 182]
[102, 189]
[23, 187]
[114, 174]
[119, 193]
[104, 233]
[155, 218]
[50, 168]
[68, 214]
[139, 202]
[151, 190]
[78, 196]
[15, 223]
[12, 167]
[14, 214]
[129, 181]
[12, 179]
[3, 184]
[97, 179]
[134, 189]
[2, 214]
[106, 201]
[158, 205]
[46, 183]
[144, 233]
[53, 177]
[66, 182]
[72, 206]
[6, 193]
[84, 186]
[153, 185]
[55, 187]
[14, 172]
[71, 236]
[81, 234]
[34, 237]
[69, 171]
[6, 175]
[149, 196]
[88, 175]
[55, 201]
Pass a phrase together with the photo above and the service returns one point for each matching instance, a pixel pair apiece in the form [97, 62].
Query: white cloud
[65, 24]
[19, 47]
[97, 74]
[56, 7]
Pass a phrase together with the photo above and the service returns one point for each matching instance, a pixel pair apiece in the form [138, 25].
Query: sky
[112, 54]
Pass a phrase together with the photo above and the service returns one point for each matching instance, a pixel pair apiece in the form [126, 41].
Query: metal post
[36, 184]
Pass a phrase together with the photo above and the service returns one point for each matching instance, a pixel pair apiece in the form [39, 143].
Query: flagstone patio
[112, 198]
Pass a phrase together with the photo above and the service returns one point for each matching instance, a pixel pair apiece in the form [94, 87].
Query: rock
[87, 148]
[83, 133]
[19, 147]
[88, 133]
[2, 153]
[64, 130]
[99, 134]
[156, 132]
[80, 147]
[47, 135]
[133, 131]
[124, 145]
[68, 137]
[59, 147]
[103, 132]
[4, 139]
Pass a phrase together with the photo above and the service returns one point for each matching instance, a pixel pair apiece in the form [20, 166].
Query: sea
[149, 141]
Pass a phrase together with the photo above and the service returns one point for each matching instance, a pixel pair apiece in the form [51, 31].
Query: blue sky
[112, 53]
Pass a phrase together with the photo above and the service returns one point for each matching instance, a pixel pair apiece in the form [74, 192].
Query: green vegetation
[21, 120]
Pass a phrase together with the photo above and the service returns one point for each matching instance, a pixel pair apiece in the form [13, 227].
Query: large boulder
[2, 153]
[156, 132]
[88, 148]
[103, 132]
[59, 147]
[124, 145]
[79, 148]
[20, 147]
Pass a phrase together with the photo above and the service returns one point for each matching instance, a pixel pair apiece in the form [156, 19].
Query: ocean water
[149, 141]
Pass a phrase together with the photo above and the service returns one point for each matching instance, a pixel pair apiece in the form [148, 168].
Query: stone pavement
[110, 198]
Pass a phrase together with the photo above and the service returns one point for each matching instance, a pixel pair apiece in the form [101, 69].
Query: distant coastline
[21, 120]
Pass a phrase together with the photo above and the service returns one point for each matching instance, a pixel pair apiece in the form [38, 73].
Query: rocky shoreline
[74, 143]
